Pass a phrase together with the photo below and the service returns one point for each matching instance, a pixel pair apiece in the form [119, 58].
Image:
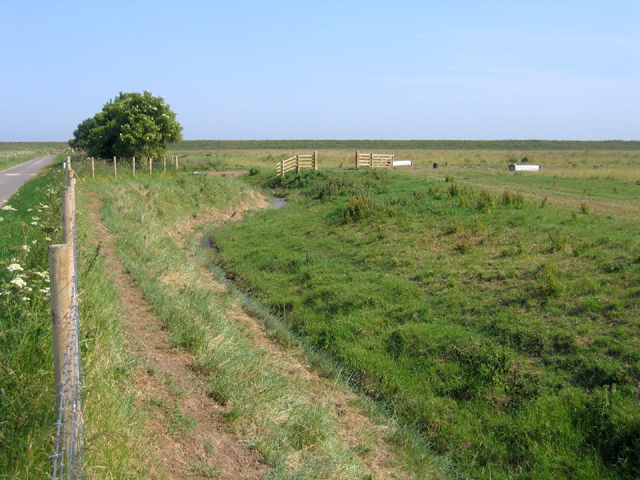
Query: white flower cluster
[18, 282]
[9, 208]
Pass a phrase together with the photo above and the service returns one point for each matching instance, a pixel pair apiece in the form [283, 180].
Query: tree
[131, 125]
[81, 134]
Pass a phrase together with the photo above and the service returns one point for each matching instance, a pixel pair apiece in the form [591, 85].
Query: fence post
[149, 160]
[176, 162]
[315, 160]
[68, 217]
[61, 287]
[164, 164]
[357, 160]
[297, 163]
[71, 181]
[133, 166]
[282, 167]
[93, 170]
[115, 167]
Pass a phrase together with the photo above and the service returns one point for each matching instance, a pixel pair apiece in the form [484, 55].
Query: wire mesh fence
[69, 442]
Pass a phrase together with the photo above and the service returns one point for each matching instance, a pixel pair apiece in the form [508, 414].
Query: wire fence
[63, 264]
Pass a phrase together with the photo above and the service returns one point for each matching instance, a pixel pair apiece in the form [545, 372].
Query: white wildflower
[26, 248]
[29, 209]
[9, 207]
[34, 223]
[47, 239]
[25, 299]
[14, 267]
[1, 219]
[19, 282]
[42, 274]
[28, 289]
[46, 291]
[35, 218]
[34, 241]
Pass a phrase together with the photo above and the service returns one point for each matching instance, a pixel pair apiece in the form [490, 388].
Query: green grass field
[496, 312]
[13, 153]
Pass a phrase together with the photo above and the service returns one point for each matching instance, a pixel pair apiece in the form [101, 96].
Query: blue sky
[328, 69]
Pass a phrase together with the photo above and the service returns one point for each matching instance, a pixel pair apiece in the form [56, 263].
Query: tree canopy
[131, 125]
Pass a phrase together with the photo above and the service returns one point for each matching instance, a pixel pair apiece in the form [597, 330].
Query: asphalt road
[12, 178]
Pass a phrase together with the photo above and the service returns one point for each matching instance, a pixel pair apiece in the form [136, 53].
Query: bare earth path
[191, 440]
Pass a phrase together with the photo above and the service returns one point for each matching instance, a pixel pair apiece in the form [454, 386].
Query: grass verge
[112, 426]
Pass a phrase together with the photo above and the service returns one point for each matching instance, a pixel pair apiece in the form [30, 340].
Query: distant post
[133, 166]
[357, 160]
[315, 160]
[176, 162]
[93, 169]
[149, 164]
[115, 167]
[164, 164]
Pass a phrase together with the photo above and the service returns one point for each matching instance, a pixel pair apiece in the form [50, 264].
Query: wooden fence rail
[297, 162]
[374, 160]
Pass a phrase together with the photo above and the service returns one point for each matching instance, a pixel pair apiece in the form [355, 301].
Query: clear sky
[311, 69]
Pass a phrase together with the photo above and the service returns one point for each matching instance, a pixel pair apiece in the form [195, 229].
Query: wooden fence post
[61, 273]
[93, 170]
[133, 166]
[149, 160]
[71, 180]
[164, 164]
[176, 162]
[315, 160]
[68, 217]
[297, 163]
[115, 167]
[357, 160]
[282, 168]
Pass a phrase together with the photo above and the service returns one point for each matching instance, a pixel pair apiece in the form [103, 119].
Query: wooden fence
[297, 163]
[374, 160]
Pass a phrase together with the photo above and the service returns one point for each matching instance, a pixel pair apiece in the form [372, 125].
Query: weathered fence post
[357, 160]
[315, 160]
[164, 164]
[93, 170]
[176, 162]
[282, 167]
[297, 163]
[61, 272]
[71, 181]
[115, 167]
[68, 217]
[133, 166]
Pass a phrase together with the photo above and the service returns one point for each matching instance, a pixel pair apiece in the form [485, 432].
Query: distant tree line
[405, 145]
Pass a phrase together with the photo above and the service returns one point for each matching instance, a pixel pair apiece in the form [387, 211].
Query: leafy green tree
[81, 134]
[131, 125]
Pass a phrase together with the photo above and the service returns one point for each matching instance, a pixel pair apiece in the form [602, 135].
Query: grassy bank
[497, 313]
[291, 423]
